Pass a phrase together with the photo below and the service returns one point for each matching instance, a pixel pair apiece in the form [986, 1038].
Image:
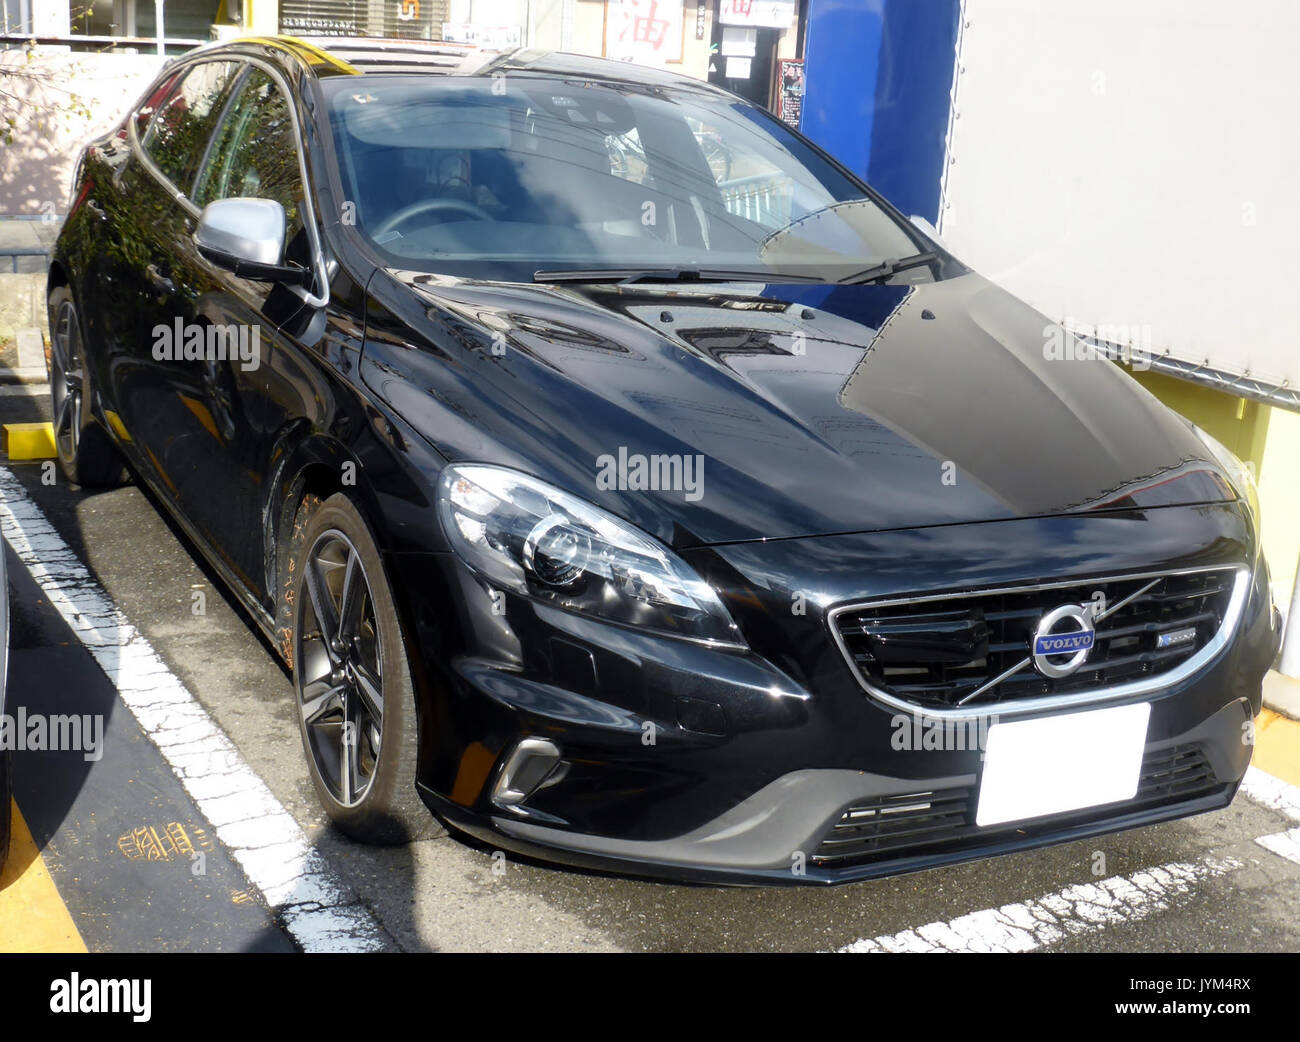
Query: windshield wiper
[886, 268]
[670, 275]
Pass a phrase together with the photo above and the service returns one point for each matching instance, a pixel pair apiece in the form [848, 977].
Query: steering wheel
[427, 206]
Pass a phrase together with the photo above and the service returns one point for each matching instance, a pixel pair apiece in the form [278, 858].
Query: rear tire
[355, 703]
[86, 453]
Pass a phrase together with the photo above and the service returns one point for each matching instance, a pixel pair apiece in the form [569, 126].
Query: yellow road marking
[33, 917]
[172, 840]
[1277, 746]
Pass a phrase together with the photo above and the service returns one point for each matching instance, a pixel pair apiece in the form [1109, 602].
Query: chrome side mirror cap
[246, 237]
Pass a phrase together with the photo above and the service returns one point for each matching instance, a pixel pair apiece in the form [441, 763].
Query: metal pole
[158, 25]
[1290, 664]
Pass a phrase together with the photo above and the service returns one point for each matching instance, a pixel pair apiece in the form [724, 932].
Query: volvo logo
[1067, 630]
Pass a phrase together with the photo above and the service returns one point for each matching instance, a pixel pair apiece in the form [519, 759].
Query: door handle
[159, 280]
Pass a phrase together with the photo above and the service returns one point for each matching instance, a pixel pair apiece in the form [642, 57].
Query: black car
[636, 510]
[6, 765]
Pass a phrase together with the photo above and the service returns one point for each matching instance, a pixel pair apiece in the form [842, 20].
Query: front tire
[354, 698]
[86, 453]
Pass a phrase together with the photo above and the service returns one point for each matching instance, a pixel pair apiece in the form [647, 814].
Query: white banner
[501, 37]
[647, 32]
[764, 14]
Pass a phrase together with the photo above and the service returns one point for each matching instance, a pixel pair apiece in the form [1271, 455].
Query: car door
[150, 299]
[114, 243]
[220, 459]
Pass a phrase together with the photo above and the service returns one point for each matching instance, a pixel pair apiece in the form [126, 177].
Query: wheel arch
[312, 472]
[57, 276]
[314, 466]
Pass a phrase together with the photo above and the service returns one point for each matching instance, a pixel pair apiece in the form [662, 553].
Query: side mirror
[246, 236]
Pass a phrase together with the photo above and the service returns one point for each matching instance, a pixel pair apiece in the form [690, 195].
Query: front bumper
[692, 763]
[772, 837]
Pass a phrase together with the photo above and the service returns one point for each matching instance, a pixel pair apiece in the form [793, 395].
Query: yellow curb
[1277, 746]
[33, 917]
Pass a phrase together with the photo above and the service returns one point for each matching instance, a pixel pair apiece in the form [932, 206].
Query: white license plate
[1060, 763]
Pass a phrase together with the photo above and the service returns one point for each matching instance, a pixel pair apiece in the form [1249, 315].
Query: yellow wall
[1268, 438]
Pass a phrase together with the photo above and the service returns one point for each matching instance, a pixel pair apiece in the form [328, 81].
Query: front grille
[941, 819]
[939, 652]
[890, 823]
[1175, 773]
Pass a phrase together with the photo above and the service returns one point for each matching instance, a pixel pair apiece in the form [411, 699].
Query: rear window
[183, 123]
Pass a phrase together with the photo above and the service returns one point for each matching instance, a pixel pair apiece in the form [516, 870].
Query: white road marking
[1283, 844]
[1080, 909]
[1280, 796]
[1272, 792]
[1087, 908]
[318, 909]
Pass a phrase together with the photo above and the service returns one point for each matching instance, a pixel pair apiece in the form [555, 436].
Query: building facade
[739, 43]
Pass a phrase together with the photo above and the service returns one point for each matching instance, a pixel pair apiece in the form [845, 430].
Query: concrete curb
[1282, 694]
[23, 376]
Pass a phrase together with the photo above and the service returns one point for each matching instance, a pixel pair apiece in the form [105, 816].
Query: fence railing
[763, 198]
[14, 252]
[142, 43]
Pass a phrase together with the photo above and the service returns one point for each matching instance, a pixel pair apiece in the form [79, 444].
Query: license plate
[1061, 763]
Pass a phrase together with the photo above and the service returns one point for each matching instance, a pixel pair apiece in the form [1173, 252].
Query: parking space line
[1089, 907]
[1272, 777]
[1283, 844]
[1272, 792]
[33, 917]
[1080, 909]
[316, 907]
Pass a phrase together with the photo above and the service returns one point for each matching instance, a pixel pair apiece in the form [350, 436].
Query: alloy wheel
[339, 674]
[66, 381]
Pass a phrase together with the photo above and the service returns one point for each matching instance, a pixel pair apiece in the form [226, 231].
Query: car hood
[781, 410]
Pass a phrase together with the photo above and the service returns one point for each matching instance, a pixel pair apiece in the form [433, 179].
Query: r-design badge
[1067, 630]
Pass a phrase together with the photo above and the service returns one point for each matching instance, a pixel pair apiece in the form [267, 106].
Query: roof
[347, 55]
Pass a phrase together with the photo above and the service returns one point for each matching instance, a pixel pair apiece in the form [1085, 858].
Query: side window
[153, 100]
[182, 124]
[255, 153]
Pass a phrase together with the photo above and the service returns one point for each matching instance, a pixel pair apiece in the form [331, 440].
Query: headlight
[524, 535]
[1241, 474]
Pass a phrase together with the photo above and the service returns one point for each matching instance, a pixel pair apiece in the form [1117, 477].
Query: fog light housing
[533, 764]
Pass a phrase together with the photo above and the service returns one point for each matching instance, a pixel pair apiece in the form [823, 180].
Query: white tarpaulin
[1133, 166]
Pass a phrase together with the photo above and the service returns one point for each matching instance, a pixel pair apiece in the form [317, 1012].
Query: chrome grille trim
[1096, 697]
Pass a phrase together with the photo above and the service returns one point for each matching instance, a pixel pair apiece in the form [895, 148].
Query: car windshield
[498, 178]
